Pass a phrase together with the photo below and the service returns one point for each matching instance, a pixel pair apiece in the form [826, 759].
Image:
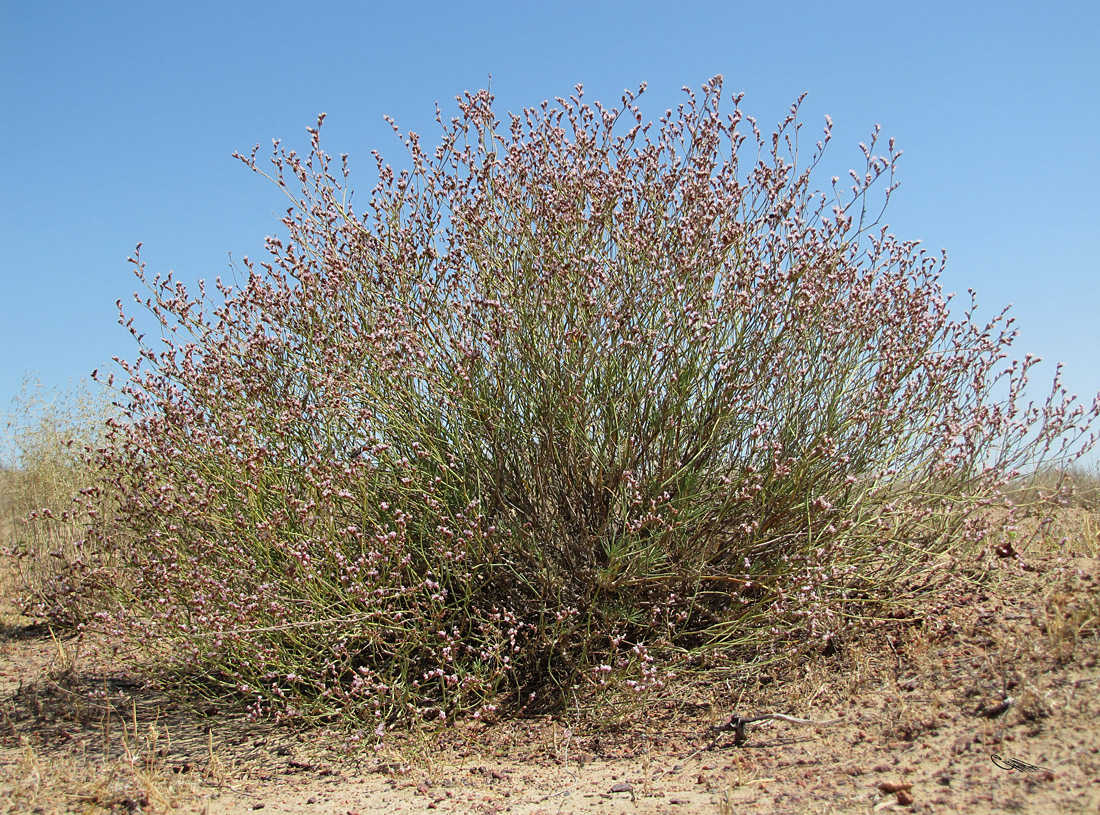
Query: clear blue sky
[119, 120]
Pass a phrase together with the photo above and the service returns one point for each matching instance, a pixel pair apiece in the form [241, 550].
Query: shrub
[569, 403]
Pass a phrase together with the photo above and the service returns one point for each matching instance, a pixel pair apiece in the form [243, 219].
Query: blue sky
[120, 119]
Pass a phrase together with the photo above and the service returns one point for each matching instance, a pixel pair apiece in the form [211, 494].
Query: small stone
[895, 786]
[904, 798]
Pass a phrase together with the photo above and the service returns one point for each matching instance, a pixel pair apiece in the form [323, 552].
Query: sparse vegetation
[1074, 486]
[129, 776]
[44, 510]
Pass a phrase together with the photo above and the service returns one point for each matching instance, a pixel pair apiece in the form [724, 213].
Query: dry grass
[1076, 486]
[47, 432]
[137, 780]
[62, 751]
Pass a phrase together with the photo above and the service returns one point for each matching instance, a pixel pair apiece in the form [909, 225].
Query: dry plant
[44, 509]
[125, 771]
[1076, 486]
[573, 401]
[1070, 620]
[1057, 509]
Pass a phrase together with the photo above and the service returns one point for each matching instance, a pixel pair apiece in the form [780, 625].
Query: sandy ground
[1003, 665]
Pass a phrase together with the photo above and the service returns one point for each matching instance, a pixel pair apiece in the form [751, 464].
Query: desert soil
[1002, 663]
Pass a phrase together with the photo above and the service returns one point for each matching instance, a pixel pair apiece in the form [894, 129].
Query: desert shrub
[44, 501]
[572, 400]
